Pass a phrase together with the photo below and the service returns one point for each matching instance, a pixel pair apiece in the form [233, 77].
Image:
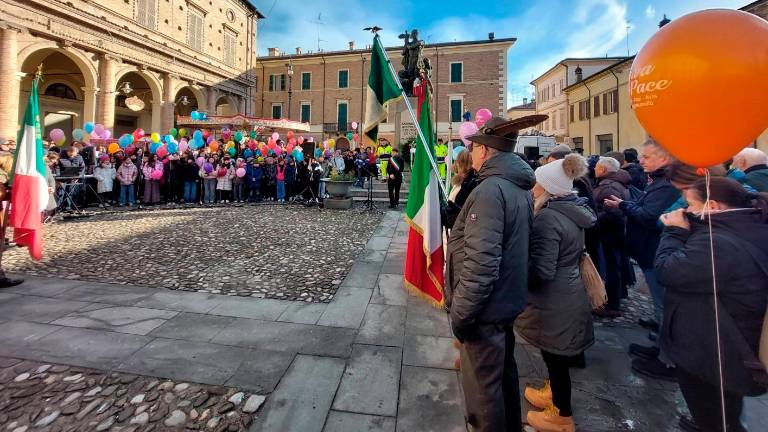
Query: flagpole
[415, 121]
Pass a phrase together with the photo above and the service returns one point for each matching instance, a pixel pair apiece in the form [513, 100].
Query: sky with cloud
[546, 30]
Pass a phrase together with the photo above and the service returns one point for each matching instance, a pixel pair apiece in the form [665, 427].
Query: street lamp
[290, 86]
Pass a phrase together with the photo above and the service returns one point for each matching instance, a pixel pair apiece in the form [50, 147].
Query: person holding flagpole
[486, 277]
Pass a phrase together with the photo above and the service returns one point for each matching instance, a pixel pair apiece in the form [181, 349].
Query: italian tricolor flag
[424, 255]
[29, 194]
[382, 89]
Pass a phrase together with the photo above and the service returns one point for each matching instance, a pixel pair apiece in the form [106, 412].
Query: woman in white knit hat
[558, 317]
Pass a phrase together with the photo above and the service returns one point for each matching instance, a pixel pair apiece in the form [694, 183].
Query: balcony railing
[337, 127]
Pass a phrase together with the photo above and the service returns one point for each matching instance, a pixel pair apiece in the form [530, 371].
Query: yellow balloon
[230, 144]
[155, 137]
[182, 132]
[61, 142]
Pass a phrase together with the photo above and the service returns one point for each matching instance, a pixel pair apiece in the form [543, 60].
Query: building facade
[328, 89]
[100, 58]
[550, 87]
[759, 8]
[522, 110]
[600, 115]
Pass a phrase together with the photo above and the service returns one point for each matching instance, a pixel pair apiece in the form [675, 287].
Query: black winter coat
[611, 223]
[683, 266]
[639, 177]
[643, 231]
[487, 268]
[451, 211]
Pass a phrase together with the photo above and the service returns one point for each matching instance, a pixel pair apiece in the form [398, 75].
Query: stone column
[11, 82]
[241, 105]
[211, 105]
[89, 104]
[158, 118]
[168, 103]
[107, 85]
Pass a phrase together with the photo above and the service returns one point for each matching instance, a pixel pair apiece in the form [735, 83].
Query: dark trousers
[614, 286]
[560, 381]
[703, 400]
[394, 192]
[490, 381]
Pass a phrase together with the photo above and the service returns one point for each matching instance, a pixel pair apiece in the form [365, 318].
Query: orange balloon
[699, 85]
[113, 148]
[214, 146]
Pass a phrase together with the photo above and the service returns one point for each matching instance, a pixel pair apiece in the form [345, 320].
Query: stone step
[363, 193]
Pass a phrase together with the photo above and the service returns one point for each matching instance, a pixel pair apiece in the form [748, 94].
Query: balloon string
[707, 212]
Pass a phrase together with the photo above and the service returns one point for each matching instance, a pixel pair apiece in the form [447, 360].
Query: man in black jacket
[643, 234]
[487, 275]
[394, 178]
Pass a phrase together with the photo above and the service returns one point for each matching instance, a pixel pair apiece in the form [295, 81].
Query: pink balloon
[99, 129]
[56, 135]
[157, 174]
[467, 129]
[278, 151]
[106, 134]
[292, 141]
[183, 145]
[240, 172]
[354, 125]
[289, 149]
[301, 140]
[482, 115]
[200, 161]
[275, 136]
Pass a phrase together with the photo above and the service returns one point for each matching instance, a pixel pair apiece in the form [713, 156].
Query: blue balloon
[202, 116]
[318, 152]
[89, 127]
[195, 115]
[298, 155]
[125, 140]
[78, 134]
[198, 136]
[457, 151]
[173, 147]
[248, 153]
[153, 147]
[169, 139]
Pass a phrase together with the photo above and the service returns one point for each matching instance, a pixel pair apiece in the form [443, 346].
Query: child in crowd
[127, 174]
[290, 178]
[254, 174]
[105, 174]
[225, 173]
[208, 174]
[280, 179]
[189, 175]
[268, 183]
[153, 172]
[238, 183]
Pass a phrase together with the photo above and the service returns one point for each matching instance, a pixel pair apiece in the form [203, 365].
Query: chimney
[579, 75]
[525, 101]
[351, 45]
[491, 36]
[298, 50]
[273, 52]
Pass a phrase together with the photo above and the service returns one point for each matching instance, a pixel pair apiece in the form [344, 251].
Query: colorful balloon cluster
[469, 128]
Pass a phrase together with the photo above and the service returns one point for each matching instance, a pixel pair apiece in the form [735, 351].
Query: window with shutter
[615, 101]
[146, 12]
[343, 78]
[195, 30]
[271, 83]
[605, 103]
[306, 112]
[306, 80]
[282, 82]
[457, 72]
[229, 48]
[597, 105]
[572, 118]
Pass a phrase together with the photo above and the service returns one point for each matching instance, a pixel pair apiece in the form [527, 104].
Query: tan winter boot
[541, 397]
[550, 420]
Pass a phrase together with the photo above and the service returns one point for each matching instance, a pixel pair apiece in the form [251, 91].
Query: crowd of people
[521, 238]
[205, 176]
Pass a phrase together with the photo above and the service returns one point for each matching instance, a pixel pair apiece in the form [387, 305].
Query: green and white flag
[382, 89]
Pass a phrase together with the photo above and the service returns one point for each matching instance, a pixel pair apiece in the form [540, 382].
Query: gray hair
[610, 164]
[751, 157]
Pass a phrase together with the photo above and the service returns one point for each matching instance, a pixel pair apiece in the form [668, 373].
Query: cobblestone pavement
[268, 251]
[60, 398]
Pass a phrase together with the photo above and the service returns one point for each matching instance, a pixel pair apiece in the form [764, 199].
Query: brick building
[173, 55]
[328, 89]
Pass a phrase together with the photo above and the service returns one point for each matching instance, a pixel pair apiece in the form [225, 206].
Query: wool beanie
[557, 176]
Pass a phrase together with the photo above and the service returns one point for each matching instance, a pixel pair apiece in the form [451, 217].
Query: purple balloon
[208, 168]
[106, 134]
[99, 129]
[467, 129]
[210, 139]
[200, 161]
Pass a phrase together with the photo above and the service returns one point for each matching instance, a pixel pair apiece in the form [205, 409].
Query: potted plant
[337, 185]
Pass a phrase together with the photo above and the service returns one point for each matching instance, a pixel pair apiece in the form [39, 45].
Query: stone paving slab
[370, 381]
[182, 302]
[430, 351]
[378, 243]
[390, 290]
[302, 399]
[15, 335]
[351, 422]
[347, 309]
[193, 327]
[44, 287]
[265, 309]
[108, 293]
[363, 275]
[185, 360]
[383, 325]
[430, 401]
[37, 309]
[372, 256]
[288, 337]
[122, 319]
[424, 319]
[303, 313]
[261, 370]
[83, 347]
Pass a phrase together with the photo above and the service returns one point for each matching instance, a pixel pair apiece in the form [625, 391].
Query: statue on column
[412, 60]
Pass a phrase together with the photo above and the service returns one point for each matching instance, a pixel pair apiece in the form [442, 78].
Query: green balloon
[238, 136]
[232, 151]
[253, 134]
[173, 132]
[350, 135]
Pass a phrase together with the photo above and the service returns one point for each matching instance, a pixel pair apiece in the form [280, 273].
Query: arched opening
[61, 91]
[186, 102]
[133, 104]
[225, 106]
